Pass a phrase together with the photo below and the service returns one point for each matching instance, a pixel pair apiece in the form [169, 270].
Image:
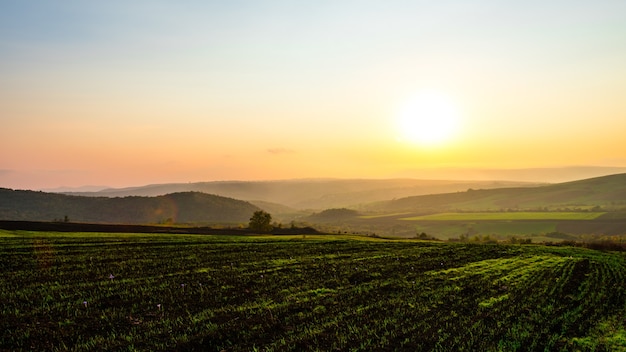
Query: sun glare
[428, 118]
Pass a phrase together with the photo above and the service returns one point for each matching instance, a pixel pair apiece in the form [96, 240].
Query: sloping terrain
[591, 207]
[311, 193]
[606, 191]
[152, 292]
[187, 207]
[332, 215]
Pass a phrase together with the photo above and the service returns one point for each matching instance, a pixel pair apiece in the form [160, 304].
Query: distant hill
[332, 215]
[186, 207]
[275, 208]
[605, 191]
[311, 194]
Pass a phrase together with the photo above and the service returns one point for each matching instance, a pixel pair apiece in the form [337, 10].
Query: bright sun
[428, 118]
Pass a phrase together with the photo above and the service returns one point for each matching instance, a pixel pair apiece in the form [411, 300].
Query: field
[521, 215]
[499, 225]
[243, 293]
[498, 229]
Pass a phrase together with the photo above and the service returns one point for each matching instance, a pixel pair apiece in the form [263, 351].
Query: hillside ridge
[604, 191]
[311, 193]
[181, 207]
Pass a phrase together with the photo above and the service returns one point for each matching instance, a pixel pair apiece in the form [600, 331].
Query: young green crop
[166, 292]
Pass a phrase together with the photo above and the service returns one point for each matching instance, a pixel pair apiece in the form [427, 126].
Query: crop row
[136, 292]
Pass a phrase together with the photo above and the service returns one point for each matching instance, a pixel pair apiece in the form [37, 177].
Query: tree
[261, 221]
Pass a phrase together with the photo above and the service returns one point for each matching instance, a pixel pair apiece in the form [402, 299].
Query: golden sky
[129, 93]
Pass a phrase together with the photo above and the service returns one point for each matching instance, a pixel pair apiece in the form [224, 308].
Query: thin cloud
[6, 174]
[279, 151]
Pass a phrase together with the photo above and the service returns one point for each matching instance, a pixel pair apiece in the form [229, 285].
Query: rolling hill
[605, 191]
[312, 193]
[606, 196]
[590, 207]
[185, 207]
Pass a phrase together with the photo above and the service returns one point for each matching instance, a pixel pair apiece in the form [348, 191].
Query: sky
[128, 93]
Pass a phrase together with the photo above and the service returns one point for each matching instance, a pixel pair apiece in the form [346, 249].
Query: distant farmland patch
[382, 215]
[451, 229]
[522, 215]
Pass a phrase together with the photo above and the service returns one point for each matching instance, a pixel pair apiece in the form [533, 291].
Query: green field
[378, 216]
[212, 293]
[521, 215]
[501, 229]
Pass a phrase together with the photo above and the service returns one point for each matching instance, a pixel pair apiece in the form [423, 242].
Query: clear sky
[125, 93]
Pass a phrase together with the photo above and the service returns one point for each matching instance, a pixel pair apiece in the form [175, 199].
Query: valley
[580, 210]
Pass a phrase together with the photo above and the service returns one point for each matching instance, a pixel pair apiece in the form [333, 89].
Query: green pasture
[522, 215]
[386, 215]
[139, 292]
[453, 229]
[514, 228]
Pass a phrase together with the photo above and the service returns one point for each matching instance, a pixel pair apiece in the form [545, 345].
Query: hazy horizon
[125, 94]
[530, 176]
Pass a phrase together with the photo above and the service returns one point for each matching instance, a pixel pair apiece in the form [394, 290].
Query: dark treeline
[126, 228]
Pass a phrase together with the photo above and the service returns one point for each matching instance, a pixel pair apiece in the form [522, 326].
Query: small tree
[261, 221]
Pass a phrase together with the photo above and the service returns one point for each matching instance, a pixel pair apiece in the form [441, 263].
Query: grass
[508, 228]
[452, 229]
[522, 215]
[240, 293]
[386, 215]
